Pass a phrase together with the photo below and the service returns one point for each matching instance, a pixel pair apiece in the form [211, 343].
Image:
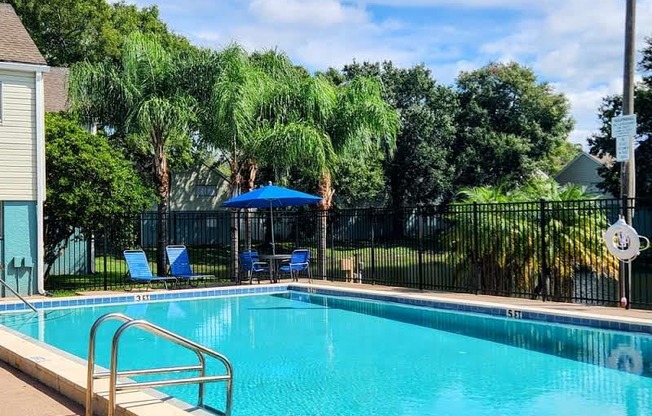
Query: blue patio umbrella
[271, 197]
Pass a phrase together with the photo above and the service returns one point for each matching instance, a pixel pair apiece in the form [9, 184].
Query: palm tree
[235, 94]
[138, 100]
[362, 122]
[314, 123]
[508, 244]
[265, 111]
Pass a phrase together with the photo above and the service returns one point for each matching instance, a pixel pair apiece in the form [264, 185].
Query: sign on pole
[623, 129]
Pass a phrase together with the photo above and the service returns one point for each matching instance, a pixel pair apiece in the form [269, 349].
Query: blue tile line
[487, 310]
[153, 296]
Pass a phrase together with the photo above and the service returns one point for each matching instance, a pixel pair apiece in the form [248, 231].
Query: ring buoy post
[623, 241]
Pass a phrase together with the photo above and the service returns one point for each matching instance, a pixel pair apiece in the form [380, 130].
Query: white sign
[622, 149]
[623, 129]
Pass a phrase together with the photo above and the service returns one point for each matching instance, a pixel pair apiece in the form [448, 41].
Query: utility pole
[627, 168]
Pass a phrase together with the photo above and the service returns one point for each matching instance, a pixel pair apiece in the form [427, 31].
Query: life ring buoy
[622, 240]
[626, 358]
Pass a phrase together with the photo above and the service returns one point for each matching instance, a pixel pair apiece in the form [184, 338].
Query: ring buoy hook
[626, 358]
[623, 241]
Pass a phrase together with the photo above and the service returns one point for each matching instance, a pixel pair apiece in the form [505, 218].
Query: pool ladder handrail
[113, 372]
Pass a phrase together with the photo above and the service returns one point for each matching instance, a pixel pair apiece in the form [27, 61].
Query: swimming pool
[304, 354]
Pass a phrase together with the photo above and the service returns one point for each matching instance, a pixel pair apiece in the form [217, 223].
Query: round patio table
[272, 259]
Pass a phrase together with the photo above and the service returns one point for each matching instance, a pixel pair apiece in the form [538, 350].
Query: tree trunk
[326, 192]
[162, 180]
[235, 231]
[249, 180]
[236, 179]
[161, 237]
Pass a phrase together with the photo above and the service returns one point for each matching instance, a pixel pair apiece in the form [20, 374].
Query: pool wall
[67, 374]
[627, 324]
[429, 300]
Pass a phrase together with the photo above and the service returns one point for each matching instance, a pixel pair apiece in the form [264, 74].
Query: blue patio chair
[180, 267]
[139, 271]
[299, 262]
[251, 264]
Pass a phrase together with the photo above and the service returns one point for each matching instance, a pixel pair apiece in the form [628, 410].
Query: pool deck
[24, 395]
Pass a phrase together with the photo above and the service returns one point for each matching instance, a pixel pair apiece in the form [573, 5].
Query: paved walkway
[21, 395]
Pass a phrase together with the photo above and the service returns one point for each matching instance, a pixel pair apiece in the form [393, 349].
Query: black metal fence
[537, 249]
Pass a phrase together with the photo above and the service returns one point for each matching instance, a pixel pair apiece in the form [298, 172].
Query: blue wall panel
[20, 255]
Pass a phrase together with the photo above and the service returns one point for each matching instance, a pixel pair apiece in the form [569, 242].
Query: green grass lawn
[397, 265]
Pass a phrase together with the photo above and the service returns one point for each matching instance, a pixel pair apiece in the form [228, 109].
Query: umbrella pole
[271, 214]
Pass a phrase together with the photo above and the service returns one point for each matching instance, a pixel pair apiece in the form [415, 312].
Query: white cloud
[480, 4]
[321, 13]
[577, 45]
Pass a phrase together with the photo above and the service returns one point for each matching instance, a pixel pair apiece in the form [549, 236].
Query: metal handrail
[113, 373]
[17, 295]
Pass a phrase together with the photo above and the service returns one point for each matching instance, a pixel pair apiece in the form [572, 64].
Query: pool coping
[417, 298]
[131, 297]
[498, 309]
[66, 373]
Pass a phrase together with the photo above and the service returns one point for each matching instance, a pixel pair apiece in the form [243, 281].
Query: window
[206, 190]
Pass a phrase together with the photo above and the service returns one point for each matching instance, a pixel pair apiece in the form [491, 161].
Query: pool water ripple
[300, 355]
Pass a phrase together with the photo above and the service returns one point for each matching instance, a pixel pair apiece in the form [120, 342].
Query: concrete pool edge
[505, 307]
[15, 305]
[493, 308]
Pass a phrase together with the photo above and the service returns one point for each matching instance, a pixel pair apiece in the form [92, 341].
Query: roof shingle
[15, 43]
[55, 84]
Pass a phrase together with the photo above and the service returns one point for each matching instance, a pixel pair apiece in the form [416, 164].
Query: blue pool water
[298, 354]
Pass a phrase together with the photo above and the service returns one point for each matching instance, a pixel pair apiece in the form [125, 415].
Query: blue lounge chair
[299, 262]
[139, 270]
[180, 267]
[250, 263]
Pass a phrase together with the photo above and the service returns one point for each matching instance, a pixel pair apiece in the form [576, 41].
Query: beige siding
[183, 190]
[18, 137]
[183, 196]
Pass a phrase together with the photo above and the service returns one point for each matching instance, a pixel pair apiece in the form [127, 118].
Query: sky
[575, 45]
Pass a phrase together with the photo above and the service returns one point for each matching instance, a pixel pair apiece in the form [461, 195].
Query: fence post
[296, 229]
[476, 250]
[545, 273]
[624, 269]
[172, 228]
[91, 255]
[330, 214]
[104, 254]
[373, 246]
[420, 240]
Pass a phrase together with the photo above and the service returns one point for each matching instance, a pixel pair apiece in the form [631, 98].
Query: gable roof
[55, 85]
[582, 155]
[15, 43]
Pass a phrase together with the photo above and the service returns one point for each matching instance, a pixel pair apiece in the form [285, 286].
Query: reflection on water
[618, 350]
